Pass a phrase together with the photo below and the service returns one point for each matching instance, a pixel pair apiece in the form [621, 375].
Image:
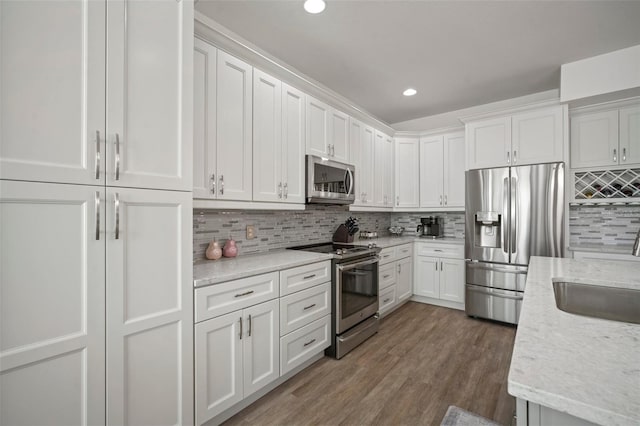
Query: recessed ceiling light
[314, 6]
[410, 92]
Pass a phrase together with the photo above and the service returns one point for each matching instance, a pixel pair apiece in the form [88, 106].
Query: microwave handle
[350, 182]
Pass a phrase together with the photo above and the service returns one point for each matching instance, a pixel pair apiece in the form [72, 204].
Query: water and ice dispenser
[488, 229]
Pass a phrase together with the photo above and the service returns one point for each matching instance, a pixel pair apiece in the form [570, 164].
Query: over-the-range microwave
[329, 182]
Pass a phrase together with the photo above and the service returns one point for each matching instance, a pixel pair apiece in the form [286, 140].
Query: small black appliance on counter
[431, 227]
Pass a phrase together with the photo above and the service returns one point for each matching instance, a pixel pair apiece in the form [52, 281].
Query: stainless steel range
[354, 293]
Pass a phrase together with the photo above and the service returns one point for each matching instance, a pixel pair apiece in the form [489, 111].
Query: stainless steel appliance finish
[512, 213]
[431, 227]
[612, 303]
[329, 182]
[354, 293]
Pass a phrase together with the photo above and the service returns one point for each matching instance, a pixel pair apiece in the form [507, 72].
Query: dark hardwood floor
[423, 359]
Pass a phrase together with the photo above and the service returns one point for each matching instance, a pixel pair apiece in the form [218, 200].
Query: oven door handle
[347, 266]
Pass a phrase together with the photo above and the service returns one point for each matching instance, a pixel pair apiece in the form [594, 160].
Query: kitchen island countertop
[586, 367]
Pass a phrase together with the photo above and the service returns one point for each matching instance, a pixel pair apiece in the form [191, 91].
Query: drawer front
[387, 275]
[452, 251]
[403, 251]
[387, 255]
[304, 307]
[220, 299]
[387, 299]
[302, 344]
[303, 277]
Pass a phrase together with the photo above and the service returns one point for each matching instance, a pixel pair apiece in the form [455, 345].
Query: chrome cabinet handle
[398, 268]
[116, 204]
[329, 149]
[249, 325]
[308, 307]
[445, 200]
[397, 200]
[221, 184]
[97, 154]
[117, 156]
[441, 267]
[624, 154]
[615, 154]
[246, 293]
[436, 265]
[309, 342]
[240, 328]
[280, 190]
[385, 276]
[508, 159]
[286, 190]
[515, 158]
[440, 199]
[309, 277]
[97, 207]
[212, 179]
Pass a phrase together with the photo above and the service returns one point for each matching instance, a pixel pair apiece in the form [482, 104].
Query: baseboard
[438, 302]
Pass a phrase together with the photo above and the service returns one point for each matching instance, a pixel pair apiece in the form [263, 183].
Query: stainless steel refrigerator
[512, 213]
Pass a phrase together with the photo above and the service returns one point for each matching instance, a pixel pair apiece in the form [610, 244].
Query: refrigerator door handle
[514, 213]
[505, 225]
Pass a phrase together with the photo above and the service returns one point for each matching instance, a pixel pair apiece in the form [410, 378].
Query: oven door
[356, 292]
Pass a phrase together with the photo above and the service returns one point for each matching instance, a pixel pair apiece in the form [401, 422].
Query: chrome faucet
[636, 246]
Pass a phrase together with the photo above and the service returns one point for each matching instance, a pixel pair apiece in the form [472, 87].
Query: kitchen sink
[597, 301]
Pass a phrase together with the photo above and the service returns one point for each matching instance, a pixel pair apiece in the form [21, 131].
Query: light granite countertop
[385, 242]
[218, 271]
[586, 367]
[603, 248]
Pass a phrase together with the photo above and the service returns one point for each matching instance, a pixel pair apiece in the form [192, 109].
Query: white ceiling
[457, 54]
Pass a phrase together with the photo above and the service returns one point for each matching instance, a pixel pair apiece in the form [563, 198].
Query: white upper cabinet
[339, 142]
[278, 137]
[361, 147]
[367, 153]
[383, 170]
[267, 137]
[407, 172]
[318, 127]
[233, 128]
[525, 138]
[222, 122]
[293, 134]
[537, 137]
[630, 135]
[204, 119]
[53, 103]
[489, 143]
[606, 138]
[442, 171]
[149, 102]
[388, 172]
[431, 171]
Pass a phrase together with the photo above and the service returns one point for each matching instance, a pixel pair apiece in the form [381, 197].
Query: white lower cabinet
[394, 277]
[236, 355]
[247, 337]
[439, 274]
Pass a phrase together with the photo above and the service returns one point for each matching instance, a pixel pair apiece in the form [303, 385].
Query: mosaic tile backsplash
[611, 225]
[278, 229]
[453, 222]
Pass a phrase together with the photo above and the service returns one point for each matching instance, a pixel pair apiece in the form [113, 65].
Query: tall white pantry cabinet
[95, 209]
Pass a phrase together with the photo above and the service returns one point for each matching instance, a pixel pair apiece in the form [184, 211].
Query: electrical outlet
[251, 232]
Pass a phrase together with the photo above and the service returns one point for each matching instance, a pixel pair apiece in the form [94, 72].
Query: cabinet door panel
[594, 137]
[52, 308]
[150, 315]
[489, 143]
[452, 280]
[318, 128]
[218, 372]
[379, 169]
[404, 279]
[234, 124]
[52, 71]
[453, 181]
[388, 172]
[150, 94]
[630, 135]
[293, 134]
[204, 120]
[407, 172]
[367, 160]
[431, 172]
[339, 136]
[267, 138]
[427, 281]
[261, 346]
[537, 137]
[355, 154]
